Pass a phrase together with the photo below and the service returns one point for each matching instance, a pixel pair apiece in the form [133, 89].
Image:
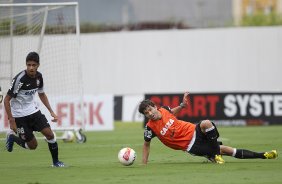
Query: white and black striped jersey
[23, 89]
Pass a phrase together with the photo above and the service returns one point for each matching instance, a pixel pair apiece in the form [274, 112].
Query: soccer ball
[126, 156]
[68, 136]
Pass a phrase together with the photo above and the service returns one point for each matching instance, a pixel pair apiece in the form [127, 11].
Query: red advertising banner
[226, 108]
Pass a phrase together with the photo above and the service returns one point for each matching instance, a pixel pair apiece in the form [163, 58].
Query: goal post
[52, 30]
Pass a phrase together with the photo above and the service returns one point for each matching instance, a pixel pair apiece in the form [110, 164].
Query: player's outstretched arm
[182, 105]
[44, 99]
[146, 152]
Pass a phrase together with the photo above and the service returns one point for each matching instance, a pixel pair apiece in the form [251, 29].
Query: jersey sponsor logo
[31, 92]
[166, 127]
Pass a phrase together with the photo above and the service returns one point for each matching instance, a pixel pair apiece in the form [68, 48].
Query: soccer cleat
[211, 159]
[58, 164]
[218, 159]
[10, 142]
[271, 154]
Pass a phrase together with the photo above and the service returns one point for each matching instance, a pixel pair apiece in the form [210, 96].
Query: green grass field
[96, 160]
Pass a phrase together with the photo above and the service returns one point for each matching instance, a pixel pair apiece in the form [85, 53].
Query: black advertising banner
[226, 108]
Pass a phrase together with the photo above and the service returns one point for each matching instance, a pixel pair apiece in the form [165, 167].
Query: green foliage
[5, 25]
[23, 29]
[261, 19]
[91, 28]
[96, 160]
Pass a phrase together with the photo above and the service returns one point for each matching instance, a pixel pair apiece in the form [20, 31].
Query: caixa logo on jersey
[31, 92]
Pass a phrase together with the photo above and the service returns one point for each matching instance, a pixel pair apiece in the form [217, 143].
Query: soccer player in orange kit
[197, 139]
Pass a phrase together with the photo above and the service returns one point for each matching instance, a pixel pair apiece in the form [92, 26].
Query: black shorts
[202, 146]
[27, 124]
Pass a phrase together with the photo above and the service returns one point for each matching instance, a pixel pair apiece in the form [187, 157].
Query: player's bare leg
[32, 144]
[12, 137]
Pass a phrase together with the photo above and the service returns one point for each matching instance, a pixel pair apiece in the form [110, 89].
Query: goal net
[52, 30]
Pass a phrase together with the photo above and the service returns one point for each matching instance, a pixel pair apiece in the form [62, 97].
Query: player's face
[152, 113]
[31, 68]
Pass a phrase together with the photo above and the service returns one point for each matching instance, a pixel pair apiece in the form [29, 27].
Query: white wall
[208, 60]
[171, 61]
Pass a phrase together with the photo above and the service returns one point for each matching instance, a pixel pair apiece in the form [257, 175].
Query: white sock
[26, 146]
[51, 141]
[234, 152]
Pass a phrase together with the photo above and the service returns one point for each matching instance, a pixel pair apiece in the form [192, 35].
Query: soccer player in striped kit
[197, 139]
[23, 113]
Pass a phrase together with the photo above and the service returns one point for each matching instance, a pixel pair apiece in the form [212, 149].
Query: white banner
[97, 113]
[130, 106]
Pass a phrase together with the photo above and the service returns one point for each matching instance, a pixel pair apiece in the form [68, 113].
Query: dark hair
[144, 104]
[32, 56]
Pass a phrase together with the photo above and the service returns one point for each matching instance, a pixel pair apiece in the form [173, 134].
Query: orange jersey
[172, 132]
